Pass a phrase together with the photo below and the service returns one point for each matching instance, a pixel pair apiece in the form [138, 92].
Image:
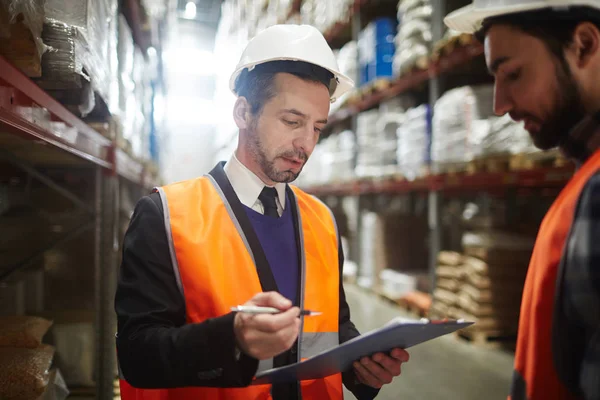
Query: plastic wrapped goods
[414, 38]
[81, 27]
[460, 114]
[372, 249]
[20, 35]
[74, 40]
[505, 136]
[414, 141]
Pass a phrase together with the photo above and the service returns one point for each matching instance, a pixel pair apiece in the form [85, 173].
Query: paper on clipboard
[396, 333]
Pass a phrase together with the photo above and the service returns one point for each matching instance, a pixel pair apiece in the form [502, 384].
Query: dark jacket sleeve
[348, 331]
[155, 346]
[581, 346]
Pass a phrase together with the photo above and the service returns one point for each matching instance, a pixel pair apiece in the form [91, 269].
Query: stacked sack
[376, 50]
[26, 371]
[414, 141]
[414, 38]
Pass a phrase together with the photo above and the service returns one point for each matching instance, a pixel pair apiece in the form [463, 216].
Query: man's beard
[268, 166]
[567, 112]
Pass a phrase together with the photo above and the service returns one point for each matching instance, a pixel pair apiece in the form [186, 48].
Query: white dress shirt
[247, 186]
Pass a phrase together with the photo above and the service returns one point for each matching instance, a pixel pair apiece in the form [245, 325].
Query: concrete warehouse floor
[442, 369]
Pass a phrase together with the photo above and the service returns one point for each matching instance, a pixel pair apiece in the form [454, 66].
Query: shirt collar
[246, 185]
[583, 140]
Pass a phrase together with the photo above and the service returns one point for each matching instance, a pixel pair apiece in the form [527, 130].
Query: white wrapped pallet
[372, 249]
[414, 142]
[460, 114]
[414, 38]
[505, 136]
[377, 142]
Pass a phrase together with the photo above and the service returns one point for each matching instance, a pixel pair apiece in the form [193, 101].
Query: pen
[268, 310]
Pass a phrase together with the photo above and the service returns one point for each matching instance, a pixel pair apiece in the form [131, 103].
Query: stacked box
[20, 31]
[376, 50]
[81, 63]
[73, 39]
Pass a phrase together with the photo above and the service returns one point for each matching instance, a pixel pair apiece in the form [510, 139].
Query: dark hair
[554, 28]
[258, 85]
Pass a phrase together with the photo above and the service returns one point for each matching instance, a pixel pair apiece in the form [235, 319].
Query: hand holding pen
[269, 310]
[261, 334]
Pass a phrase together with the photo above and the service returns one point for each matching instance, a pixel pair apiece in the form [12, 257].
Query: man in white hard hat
[545, 56]
[243, 235]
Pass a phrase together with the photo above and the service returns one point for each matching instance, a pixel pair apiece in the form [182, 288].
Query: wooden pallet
[448, 44]
[492, 164]
[386, 174]
[451, 168]
[488, 338]
[504, 163]
[529, 161]
[371, 88]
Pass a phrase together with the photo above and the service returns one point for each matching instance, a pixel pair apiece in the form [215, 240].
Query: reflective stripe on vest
[535, 375]
[223, 274]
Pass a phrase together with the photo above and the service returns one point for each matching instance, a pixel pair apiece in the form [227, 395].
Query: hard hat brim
[469, 19]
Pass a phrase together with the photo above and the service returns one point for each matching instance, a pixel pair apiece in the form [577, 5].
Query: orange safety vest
[215, 269]
[535, 376]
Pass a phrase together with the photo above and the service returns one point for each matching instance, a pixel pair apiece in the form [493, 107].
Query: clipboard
[396, 333]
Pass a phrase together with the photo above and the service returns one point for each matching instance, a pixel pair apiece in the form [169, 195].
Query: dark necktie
[267, 198]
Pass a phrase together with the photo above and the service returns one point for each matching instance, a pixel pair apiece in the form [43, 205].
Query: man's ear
[242, 113]
[586, 40]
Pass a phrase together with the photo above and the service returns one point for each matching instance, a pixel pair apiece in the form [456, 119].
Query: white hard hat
[469, 19]
[292, 43]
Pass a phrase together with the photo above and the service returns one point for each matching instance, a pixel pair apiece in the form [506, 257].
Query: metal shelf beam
[18, 92]
[535, 178]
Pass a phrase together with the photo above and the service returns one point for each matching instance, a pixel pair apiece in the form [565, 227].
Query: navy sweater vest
[277, 237]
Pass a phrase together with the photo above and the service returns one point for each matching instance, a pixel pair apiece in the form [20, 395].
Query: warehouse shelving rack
[436, 187]
[31, 147]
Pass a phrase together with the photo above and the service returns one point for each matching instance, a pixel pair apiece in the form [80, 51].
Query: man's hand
[264, 336]
[380, 369]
